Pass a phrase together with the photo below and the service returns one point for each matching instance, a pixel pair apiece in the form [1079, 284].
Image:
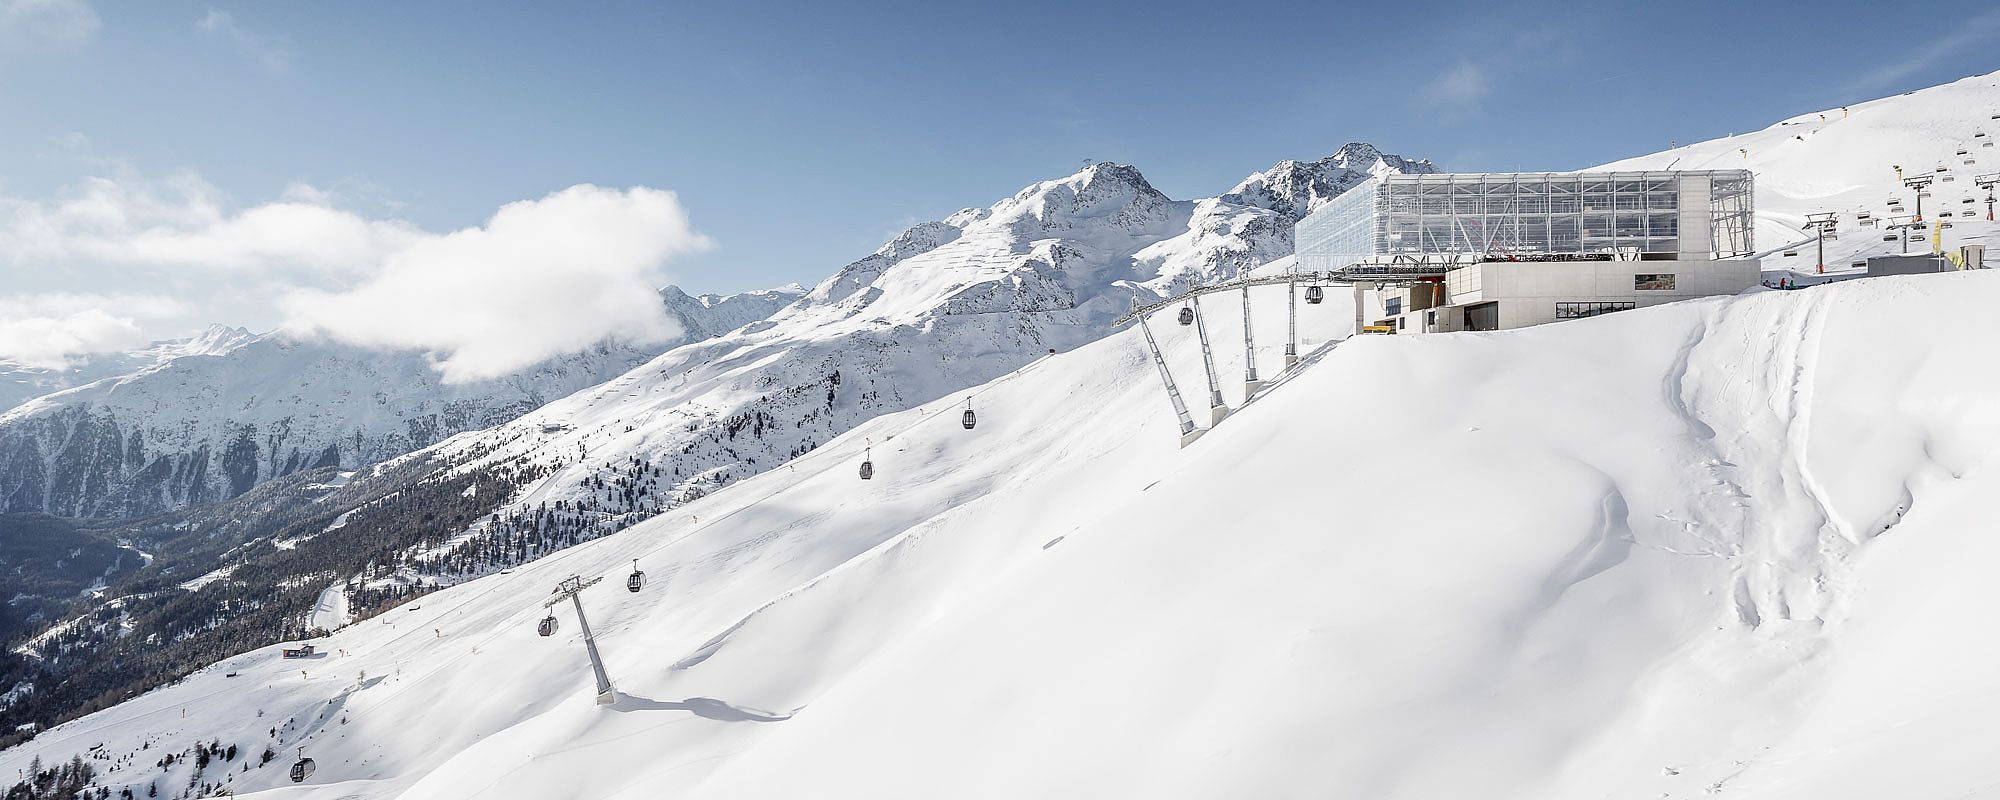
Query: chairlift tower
[1216, 409]
[1189, 432]
[1903, 226]
[568, 590]
[1987, 182]
[1918, 184]
[1823, 225]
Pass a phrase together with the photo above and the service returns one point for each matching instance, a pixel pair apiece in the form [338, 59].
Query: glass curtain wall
[1517, 214]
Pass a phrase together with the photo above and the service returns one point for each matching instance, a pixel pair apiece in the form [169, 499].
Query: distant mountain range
[205, 419]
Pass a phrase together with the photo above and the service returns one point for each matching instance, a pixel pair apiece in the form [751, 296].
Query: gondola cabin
[1187, 315]
[301, 770]
[637, 580]
[547, 627]
[1314, 295]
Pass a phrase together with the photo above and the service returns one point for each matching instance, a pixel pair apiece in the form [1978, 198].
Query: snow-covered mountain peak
[1295, 188]
[1103, 191]
[213, 340]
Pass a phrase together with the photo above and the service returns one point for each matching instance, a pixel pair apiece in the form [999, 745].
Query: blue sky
[798, 136]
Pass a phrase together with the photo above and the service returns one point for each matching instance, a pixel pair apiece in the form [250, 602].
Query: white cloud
[540, 278]
[274, 54]
[49, 330]
[45, 24]
[51, 341]
[183, 222]
[1459, 87]
[154, 306]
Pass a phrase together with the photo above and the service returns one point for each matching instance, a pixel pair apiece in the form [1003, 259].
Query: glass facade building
[1469, 217]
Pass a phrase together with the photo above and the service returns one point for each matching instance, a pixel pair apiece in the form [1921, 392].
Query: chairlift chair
[1314, 295]
[1791, 253]
[867, 464]
[302, 769]
[637, 580]
[1187, 315]
[1890, 238]
[969, 419]
[548, 625]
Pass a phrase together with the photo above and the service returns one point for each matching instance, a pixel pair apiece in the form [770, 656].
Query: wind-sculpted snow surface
[1733, 547]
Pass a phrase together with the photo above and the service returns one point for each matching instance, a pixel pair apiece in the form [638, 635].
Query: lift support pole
[1216, 409]
[1250, 382]
[1292, 326]
[568, 590]
[1358, 289]
[1189, 432]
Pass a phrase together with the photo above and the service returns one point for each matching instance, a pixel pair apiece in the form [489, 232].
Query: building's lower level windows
[1392, 306]
[1589, 309]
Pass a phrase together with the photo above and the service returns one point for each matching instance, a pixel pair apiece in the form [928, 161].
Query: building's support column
[1292, 325]
[1250, 382]
[1189, 432]
[1216, 409]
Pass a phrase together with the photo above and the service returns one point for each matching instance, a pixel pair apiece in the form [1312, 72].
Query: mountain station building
[1489, 251]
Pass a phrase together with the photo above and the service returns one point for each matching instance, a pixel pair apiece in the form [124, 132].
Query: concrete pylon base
[607, 698]
[1251, 387]
[1215, 415]
[1189, 437]
[1291, 360]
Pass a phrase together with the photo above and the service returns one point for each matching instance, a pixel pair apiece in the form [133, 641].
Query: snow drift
[1730, 546]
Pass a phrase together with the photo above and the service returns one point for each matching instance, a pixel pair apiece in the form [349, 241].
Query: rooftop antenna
[568, 590]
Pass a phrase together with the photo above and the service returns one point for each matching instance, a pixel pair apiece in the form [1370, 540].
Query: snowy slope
[209, 423]
[1843, 161]
[21, 382]
[1740, 553]
[945, 305]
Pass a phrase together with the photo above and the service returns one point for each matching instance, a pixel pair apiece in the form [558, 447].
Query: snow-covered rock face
[20, 382]
[220, 413]
[944, 305]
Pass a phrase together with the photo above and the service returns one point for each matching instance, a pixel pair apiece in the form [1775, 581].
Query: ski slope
[1842, 161]
[1729, 547]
